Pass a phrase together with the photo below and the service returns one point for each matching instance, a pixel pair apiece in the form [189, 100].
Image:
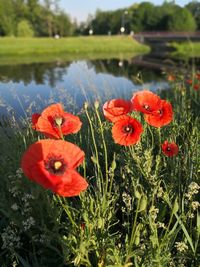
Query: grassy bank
[188, 49]
[28, 50]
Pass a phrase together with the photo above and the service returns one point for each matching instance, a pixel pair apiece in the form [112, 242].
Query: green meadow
[28, 50]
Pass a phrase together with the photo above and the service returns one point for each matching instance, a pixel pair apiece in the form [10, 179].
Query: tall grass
[141, 208]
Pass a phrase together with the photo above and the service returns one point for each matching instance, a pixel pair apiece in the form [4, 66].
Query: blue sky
[80, 9]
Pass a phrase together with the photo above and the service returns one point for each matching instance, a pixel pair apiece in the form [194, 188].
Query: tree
[142, 16]
[7, 18]
[24, 29]
[194, 8]
[181, 20]
[62, 25]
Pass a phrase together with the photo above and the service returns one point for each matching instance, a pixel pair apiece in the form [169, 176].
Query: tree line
[147, 17]
[31, 18]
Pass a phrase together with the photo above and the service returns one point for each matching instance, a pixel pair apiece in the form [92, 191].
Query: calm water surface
[29, 88]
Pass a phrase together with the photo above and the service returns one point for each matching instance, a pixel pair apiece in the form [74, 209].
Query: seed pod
[143, 203]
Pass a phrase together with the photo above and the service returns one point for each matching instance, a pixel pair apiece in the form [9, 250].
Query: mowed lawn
[48, 49]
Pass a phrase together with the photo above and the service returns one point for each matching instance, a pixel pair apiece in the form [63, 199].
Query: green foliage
[43, 20]
[142, 17]
[146, 17]
[7, 16]
[181, 20]
[194, 8]
[24, 29]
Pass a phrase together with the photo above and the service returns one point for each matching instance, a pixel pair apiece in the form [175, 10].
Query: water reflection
[29, 88]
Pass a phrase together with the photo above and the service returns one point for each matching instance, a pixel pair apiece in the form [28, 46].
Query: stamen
[58, 121]
[128, 129]
[146, 107]
[57, 165]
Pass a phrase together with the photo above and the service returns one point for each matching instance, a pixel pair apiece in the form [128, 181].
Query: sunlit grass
[187, 50]
[27, 50]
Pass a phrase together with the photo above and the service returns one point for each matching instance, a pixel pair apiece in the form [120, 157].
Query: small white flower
[181, 246]
[14, 206]
[195, 205]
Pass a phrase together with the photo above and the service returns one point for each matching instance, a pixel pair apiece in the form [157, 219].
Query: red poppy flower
[198, 76]
[189, 81]
[53, 119]
[170, 149]
[126, 131]
[146, 102]
[34, 120]
[162, 117]
[52, 163]
[196, 86]
[114, 108]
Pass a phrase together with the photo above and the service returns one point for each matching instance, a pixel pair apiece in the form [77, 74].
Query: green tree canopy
[24, 29]
[194, 8]
[181, 20]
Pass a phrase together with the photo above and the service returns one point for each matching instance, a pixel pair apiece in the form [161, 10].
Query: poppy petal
[78, 184]
[146, 102]
[114, 108]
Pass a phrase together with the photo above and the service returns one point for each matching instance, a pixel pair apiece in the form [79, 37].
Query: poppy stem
[66, 209]
[60, 132]
[152, 137]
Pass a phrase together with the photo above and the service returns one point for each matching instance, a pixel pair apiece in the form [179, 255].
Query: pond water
[29, 88]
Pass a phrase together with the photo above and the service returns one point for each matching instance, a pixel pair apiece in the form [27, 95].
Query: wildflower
[54, 122]
[114, 108]
[171, 78]
[196, 86]
[27, 224]
[189, 81]
[153, 212]
[195, 205]
[126, 131]
[14, 207]
[146, 102]
[170, 149]
[162, 116]
[181, 246]
[82, 225]
[198, 76]
[10, 237]
[193, 190]
[34, 120]
[52, 164]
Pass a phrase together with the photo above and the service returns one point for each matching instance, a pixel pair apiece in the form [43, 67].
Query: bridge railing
[168, 34]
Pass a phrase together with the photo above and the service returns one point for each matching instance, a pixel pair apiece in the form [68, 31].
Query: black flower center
[128, 128]
[55, 165]
[146, 107]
